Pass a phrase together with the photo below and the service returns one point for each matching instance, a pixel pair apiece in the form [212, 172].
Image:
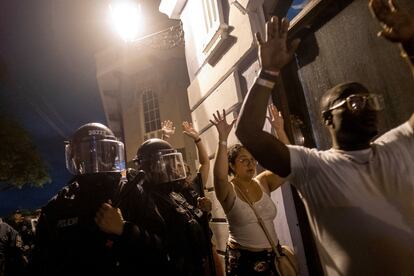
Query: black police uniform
[12, 262]
[70, 243]
[184, 240]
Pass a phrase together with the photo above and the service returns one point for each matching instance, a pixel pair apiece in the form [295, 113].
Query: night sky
[47, 48]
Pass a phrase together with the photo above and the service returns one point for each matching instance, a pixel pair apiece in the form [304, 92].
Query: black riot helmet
[93, 148]
[160, 161]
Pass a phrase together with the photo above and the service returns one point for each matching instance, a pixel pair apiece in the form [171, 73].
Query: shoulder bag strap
[260, 220]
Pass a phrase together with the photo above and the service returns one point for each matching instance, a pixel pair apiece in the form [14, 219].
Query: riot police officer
[183, 238]
[68, 240]
[165, 173]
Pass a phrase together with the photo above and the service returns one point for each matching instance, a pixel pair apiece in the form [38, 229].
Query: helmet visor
[95, 156]
[167, 168]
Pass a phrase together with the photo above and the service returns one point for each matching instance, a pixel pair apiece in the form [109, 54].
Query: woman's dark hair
[232, 154]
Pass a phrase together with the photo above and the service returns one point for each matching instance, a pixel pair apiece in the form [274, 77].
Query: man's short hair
[341, 91]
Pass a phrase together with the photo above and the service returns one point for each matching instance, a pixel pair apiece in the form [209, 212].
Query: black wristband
[197, 140]
[267, 76]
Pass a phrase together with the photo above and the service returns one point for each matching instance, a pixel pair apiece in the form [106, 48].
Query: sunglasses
[359, 102]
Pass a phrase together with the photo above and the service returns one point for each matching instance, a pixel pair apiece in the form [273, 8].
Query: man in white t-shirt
[359, 195]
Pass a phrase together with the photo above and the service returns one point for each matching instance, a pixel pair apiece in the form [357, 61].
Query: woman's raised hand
[221, 124]
[189, 130]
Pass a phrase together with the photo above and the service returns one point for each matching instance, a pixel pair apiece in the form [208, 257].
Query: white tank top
[243, 225]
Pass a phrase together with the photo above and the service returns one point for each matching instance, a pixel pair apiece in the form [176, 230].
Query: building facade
[140, 87]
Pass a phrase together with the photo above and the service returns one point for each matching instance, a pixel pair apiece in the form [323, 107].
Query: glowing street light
[126, 18]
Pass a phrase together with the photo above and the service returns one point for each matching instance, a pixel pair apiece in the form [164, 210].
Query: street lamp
[126, 19]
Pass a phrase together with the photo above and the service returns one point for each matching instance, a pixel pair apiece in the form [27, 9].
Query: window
[215, 28]
[296, 7]
[151, 111]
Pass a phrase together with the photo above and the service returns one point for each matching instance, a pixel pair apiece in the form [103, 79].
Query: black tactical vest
[68, 240]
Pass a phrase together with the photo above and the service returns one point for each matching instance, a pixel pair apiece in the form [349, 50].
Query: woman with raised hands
[249, 251]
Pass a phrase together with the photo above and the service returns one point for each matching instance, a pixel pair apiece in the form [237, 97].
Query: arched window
[151, 110]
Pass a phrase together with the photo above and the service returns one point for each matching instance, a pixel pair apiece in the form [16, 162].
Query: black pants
[241, 262]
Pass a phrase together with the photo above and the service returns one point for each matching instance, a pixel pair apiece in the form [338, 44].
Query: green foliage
[20, 162]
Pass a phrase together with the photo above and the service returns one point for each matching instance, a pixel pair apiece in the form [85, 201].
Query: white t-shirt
[360, 204]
